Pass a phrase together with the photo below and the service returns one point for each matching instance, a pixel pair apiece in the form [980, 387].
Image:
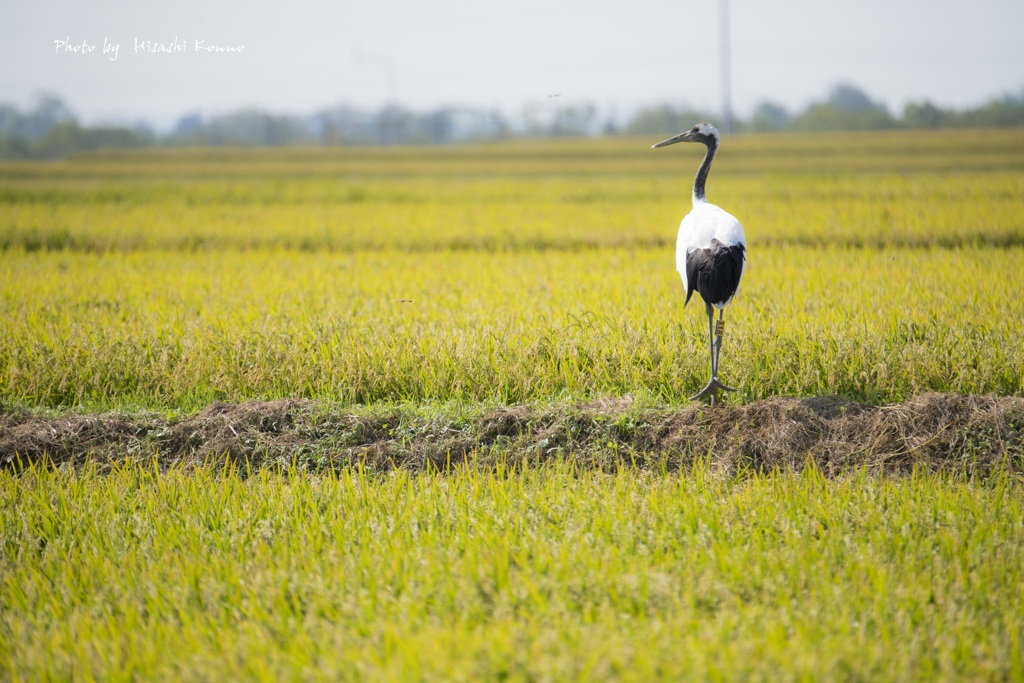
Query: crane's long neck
[702, 173]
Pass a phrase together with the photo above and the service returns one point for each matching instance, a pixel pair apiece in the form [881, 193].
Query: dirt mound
[65, 439]
[934, 431]
[234, 430]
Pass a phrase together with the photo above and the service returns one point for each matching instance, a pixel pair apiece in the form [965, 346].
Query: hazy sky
[303, 55]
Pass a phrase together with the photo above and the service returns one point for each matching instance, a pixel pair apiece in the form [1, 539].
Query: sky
[301, 56]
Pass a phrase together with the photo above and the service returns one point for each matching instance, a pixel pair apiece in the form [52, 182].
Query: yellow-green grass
[880, 266]
[178, 330]
[908, 189]
[548, 573]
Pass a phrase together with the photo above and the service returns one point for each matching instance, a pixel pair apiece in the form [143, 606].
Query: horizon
[188, 118]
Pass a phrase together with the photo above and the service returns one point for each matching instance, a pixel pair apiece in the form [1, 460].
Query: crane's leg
[713, 384]
[719, 331]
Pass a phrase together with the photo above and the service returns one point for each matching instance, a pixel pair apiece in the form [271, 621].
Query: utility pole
[723, 39]
[391, 83]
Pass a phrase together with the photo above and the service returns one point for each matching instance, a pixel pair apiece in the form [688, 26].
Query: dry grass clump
[942, 432]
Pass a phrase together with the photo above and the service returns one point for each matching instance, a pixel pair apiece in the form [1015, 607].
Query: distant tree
[825, 117]
[440, 126]
[49, 111]
[847, 108]
[50, 129]
[246, 127]
[330, 135]
[1005, 111]
[926, 115]
[68, 137]
[15, 148]
[851, 98]
[664, 119]
[459, 124]
[188, 124]
[611, 122]
[769, 117]
[574, 120]
[9, 117]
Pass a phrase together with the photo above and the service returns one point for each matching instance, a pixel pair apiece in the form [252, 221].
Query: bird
[711, 252]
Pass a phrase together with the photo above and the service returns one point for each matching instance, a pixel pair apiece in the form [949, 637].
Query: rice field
[395, 290]
[538, 574]
[160, 330]
[880, 268]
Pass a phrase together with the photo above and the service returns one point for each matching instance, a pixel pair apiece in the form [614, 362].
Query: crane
[711, 252]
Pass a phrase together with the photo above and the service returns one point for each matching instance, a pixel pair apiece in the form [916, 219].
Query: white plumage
[711, 251]
[707, 222]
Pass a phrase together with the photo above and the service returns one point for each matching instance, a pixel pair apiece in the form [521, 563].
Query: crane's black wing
[714, 272]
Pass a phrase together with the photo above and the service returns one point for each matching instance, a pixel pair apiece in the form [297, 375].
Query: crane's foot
[712, 388]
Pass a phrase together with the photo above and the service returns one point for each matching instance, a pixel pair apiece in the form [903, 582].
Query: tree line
[51, 130]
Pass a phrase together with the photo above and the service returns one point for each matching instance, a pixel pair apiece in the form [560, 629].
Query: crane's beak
[682, 137]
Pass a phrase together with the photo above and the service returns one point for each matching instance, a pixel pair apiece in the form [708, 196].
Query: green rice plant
[880, 267]
[173, 330]
[908, 189]
[545, 573]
